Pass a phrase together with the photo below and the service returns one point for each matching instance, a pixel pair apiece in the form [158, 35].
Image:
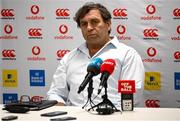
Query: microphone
[93, 69]
[126, 88]
[106, 69]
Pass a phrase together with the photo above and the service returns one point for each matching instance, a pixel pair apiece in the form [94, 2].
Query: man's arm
[133, 69]
[59, 89]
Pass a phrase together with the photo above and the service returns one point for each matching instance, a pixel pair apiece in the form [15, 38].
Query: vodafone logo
[177, 55]
[151, 52]
[34, 9]
[61, 53]
[63, 29]
[178, 33]
[121, 29]
[178, 29]
[35, 32]
[150, 33]
[7, 12]
[176, 12]
[36, 50]
[151, 9]
[62, 12]
[152, 103]
[120, 12]
[8, 53]
[8, 29]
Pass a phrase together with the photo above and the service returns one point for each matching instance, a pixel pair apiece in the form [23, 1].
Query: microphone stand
[106, 106]
[90, 91]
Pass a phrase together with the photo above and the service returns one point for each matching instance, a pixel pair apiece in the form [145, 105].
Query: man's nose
[89, 27]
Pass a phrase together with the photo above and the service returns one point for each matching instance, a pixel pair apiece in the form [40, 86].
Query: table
[140, 114]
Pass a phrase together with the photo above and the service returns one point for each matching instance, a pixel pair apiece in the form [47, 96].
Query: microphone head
[94, 66]
[108, 66]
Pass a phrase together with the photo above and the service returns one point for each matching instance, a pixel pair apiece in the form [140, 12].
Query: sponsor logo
[177, 56]
[150, 33]
[37, 77]
[60, 53]
[177, 80]
[152, 103]
[176, 13]
[178, 29]
[36, 50]
[152, 81]
[63, 29]
[8, 29]
[35, 10]
[9, 78]
[35, 33]
[7, 14]
[121, 31]
[120, 13]
[63, 32]
[62, 13]
[178, 33]
[152, 52]
[9, 98]
[8, 55]
[151, 11]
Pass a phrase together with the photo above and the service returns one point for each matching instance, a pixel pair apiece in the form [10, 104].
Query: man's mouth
[91, 35]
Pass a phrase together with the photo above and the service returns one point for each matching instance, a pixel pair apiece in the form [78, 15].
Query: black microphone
[93, 69]
[106, 69]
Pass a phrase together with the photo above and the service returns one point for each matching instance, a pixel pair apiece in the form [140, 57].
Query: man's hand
[60, 104]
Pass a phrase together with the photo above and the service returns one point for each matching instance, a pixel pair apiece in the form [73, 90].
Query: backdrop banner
[36, 34]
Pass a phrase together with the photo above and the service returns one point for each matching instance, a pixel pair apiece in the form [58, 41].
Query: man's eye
[94, 22]
[83, 24]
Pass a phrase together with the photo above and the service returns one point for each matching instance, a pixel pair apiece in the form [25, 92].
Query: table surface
[139, 114]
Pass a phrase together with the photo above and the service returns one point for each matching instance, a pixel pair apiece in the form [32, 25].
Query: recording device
[7, 118]
[16, 109]
[126, 88]
[63, 118]
[54, 113]
[105, 109]
[106, 69]
[93, 69]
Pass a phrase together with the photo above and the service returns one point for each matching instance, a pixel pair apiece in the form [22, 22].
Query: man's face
[94, 29]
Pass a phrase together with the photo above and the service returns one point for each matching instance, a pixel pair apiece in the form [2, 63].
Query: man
[94, 20]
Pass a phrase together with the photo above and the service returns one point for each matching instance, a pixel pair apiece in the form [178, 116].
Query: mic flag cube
[126, 86]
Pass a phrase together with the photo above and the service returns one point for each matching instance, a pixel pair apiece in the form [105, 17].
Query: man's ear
[109, 25]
